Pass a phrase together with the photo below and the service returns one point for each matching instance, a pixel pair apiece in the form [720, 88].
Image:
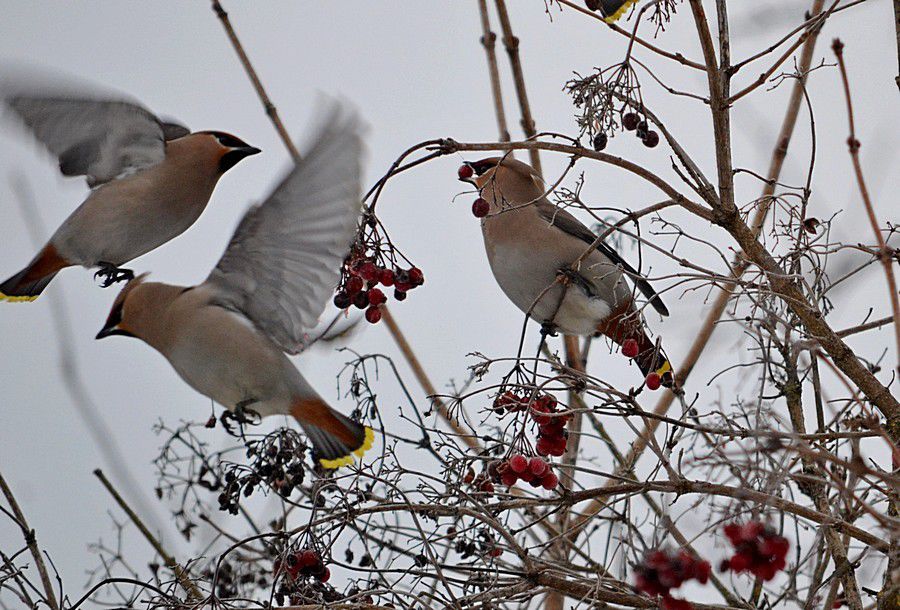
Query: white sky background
[416, 71]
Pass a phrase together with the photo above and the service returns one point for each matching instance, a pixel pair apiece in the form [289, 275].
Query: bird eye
[482, 166]
[228, 140]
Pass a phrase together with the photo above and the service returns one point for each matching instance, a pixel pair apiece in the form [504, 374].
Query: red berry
[518, 463]
[416, 277]
[487, 487]
[739, 562]
[354, 285]
[469, 476]
[496, 552]
[537, 466]
[550, 481]
[376, 297]
[630, 348]
[480, 208]
[368, 271]
[386, 277]
[630, 121]
[373, 315]
[307, 558]
[653, 381]
[402, 286]
[465, 171]
[509, 478]
[542, 446]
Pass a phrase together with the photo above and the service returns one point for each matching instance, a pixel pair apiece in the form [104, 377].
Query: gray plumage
[284, 259]
[101, 139]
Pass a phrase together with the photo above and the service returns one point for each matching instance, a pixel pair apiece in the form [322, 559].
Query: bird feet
[241, 416]
[112, 274]
[548, 329]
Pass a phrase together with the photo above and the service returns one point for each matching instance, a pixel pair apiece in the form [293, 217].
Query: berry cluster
[630, 349]
[534, 470]
[303, 563]
[552, 435]
[360, 277]
[276, 461]
[758, 550]
[632, 121]
[660, 571]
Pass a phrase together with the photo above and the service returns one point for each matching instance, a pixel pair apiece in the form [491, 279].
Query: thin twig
[488, 41]
[31, 541]
[194, 593]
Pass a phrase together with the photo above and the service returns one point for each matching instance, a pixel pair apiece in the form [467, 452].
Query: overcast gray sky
[416, 71]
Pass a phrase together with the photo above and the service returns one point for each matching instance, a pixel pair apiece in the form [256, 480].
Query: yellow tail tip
[346, 460]
[665, 368]
[22, 299]
[621, 11]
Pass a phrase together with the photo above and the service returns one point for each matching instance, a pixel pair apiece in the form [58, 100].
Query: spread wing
[564, 221]
[101, 139]
[284, 259]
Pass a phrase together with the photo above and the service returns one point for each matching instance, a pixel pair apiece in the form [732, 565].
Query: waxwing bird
[227, 337]
[611, 10]
[150, 180]
[532, 244]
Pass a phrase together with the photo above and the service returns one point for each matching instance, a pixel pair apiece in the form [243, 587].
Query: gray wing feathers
[568, 223]
[283, 262]
[100, 139]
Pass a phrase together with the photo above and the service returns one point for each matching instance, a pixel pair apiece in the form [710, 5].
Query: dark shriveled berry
[630, 121]
[600, 141]
[373, 315]
[651, 139]
[342, 300]
[400, 295]
[361, 300]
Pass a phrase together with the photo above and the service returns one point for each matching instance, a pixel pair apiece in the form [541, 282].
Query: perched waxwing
[611, 10]
[227, 337]
[530, 242]
[150, 180]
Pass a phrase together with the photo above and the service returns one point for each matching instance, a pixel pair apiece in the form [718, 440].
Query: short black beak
[235, 155]
[109, 331]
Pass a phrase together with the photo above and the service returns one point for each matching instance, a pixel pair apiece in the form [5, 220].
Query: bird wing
[101, 139]
[284, 259]
[566, 222]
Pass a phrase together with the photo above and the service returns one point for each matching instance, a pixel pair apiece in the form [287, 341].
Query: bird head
[230, 149]
[115, 321]
[503, 179]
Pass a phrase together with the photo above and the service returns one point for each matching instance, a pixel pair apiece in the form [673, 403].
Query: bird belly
[123, 220]
[233, 365]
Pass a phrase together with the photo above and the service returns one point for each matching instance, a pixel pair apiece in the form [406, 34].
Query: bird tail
[335, 437]
[30, 282]
[652, 359]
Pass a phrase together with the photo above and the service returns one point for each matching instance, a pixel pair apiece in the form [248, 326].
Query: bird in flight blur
[227, 337]
[532, 244]
[150, 180]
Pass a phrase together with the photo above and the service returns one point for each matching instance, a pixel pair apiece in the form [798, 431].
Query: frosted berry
[550, 481]
[538, 467]
[373, 315]
[465, 171]
[354, 285]
[376, 296]
[653, 381]
[342, 300]
[600, 141]
[651, 139]
[368, 271]
[518, 464]
[630, 121]
[386, 277]
[480, 208]
[630, 348]
[416, 277]
[509, 478]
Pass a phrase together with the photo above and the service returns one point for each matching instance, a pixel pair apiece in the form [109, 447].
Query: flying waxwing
[150, 180]
[611, 10]
[227, 337]
[530, 242]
